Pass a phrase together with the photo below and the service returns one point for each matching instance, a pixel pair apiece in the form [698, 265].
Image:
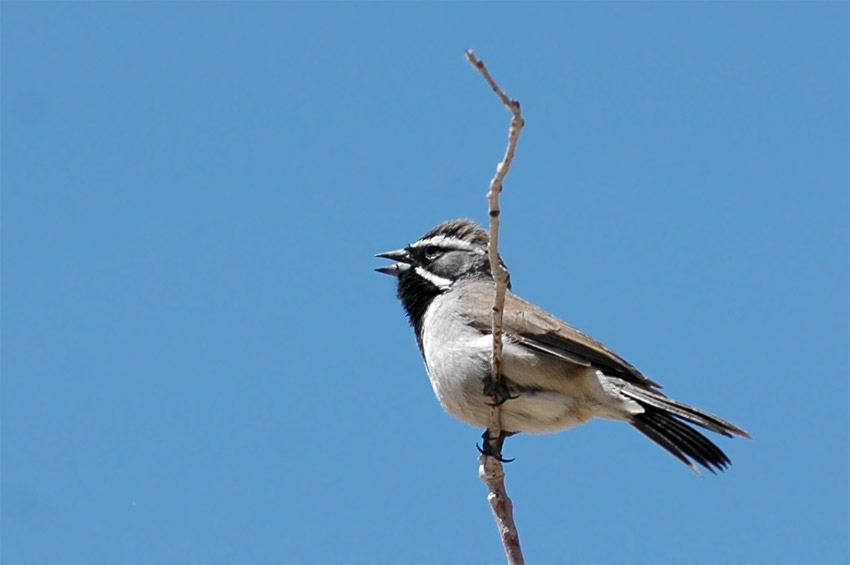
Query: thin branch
[491, 470]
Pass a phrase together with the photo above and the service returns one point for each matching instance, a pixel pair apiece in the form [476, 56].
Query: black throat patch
[416, 294]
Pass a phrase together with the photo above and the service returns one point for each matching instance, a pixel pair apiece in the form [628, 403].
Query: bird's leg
[500, 392]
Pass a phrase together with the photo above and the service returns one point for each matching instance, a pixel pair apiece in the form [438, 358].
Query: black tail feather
[684, 442]
[653, 398]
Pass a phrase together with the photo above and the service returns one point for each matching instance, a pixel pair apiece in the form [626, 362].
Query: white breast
[457, 359]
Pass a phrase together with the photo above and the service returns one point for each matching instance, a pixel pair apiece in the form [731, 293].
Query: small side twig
[491, 470]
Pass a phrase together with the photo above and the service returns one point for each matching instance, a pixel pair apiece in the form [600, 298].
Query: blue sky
[199, 364]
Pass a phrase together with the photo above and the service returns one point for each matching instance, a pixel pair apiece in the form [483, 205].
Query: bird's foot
[498, 390]
[493, 447]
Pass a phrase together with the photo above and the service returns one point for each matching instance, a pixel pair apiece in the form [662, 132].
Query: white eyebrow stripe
[436, 280]
[445, 242]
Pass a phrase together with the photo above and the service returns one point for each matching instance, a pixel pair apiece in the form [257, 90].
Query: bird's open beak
[396, 269]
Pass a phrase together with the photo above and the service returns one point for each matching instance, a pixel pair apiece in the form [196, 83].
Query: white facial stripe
[446, 243]
[440, 282]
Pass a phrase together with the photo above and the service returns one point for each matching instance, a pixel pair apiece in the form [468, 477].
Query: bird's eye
[431, 251]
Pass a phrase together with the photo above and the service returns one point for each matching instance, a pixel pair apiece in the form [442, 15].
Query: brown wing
[536, 329]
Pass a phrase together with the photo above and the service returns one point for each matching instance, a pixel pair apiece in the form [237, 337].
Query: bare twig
[491, 470]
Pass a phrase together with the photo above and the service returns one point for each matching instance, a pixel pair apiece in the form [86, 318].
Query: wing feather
[534, 328]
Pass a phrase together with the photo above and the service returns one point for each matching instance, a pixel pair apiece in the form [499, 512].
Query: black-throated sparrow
[556, 376]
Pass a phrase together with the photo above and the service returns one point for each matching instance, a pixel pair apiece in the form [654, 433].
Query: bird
[553, 376]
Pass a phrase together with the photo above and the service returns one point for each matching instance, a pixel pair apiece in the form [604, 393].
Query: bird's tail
[662, 422]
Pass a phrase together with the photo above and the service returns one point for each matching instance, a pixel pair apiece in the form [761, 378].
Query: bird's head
[455, 251]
